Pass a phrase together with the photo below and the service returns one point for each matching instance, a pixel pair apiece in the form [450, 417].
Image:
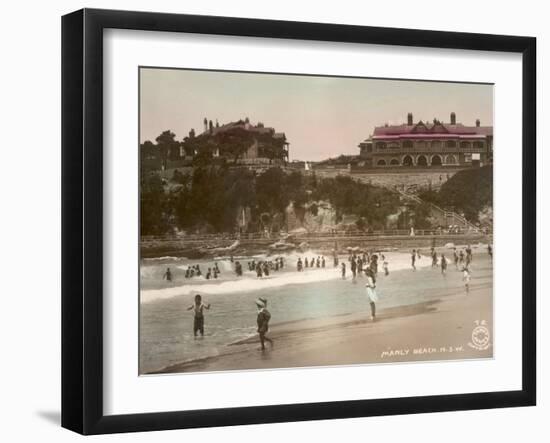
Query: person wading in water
[263, 322]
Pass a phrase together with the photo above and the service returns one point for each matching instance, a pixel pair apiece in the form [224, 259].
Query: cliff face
[316, 216]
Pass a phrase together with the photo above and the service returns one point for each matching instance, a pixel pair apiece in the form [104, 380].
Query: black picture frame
[82, 218]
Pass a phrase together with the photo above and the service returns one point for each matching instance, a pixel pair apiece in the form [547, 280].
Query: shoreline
[353, 339]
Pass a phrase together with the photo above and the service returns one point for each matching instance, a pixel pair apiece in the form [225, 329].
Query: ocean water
[166, 335]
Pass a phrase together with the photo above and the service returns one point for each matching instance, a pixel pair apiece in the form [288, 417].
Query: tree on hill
[468, 192]
[166, 143]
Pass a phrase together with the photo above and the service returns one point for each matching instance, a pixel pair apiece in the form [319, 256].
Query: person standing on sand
[443, 264]
[353, 268]
[262, 321]
[343, 271]
[167, 275]
[466, 277]
[299, 264]
[490, 251]
[323, 261]
[413, 260]
[455, 256]
[372, 296]
[434, 259]
[198, 320]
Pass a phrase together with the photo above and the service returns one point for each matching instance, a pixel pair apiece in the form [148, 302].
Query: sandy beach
[439, 328]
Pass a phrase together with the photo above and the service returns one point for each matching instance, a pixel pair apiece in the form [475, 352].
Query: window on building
[408, 144]
[381, 163]
[421, 144]
[465, 145]
[450, 144]
[436, 144]
[450, 160]
[381, 145]
[479, 145]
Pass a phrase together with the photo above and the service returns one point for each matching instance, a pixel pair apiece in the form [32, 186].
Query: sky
[322, 117]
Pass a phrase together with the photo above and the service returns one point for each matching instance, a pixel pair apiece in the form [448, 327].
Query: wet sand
[439, 329]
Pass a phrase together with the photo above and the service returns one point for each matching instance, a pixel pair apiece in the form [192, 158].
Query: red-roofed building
[425, 144]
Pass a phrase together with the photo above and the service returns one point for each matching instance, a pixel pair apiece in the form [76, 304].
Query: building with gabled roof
[424, 144]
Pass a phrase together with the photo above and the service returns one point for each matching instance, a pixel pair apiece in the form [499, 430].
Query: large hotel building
[425, 144]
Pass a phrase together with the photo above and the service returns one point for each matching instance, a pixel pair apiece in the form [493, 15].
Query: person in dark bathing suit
[198, 319]
[262, 321]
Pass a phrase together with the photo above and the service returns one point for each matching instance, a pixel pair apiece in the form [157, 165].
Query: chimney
[409, 119]
[453, 118]
[478, 122]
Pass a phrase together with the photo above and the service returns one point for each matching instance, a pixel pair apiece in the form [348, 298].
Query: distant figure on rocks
[167, 275]
[262, 321]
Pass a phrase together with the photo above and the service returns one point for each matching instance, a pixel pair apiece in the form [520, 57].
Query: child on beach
[371, 291]
[263, 322]
[198, 321]
[466, 276]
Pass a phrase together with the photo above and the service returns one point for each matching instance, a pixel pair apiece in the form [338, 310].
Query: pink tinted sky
[322, 117]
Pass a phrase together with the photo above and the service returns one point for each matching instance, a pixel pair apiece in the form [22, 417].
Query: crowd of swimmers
[318, 262]
[264, 267]
[462, 260]
[359, 263]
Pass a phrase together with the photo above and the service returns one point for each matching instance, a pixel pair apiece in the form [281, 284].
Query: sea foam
[242, 285]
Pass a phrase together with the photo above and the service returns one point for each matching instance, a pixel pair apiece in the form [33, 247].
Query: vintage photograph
[292, 221]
